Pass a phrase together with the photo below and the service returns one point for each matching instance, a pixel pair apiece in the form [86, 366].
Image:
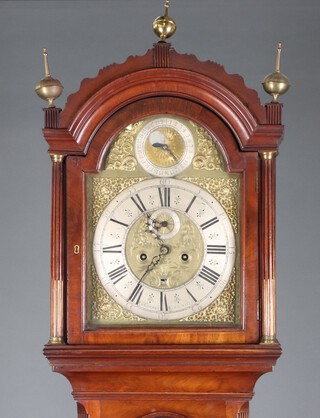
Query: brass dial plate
[177, 275]
[122, 170]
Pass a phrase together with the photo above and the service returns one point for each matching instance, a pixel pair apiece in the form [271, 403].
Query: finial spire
[278, 57]
[164, 26]
[276, 83]
[48, 88]
[46, 64]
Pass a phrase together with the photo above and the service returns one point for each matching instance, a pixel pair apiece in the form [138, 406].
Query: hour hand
[158, 145]
[165, 148]
[164, 250]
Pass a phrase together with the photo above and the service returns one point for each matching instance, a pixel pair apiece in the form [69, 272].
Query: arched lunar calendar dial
[165, 146]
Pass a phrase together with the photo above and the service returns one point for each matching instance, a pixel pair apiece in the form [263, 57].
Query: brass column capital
[57, 158]
[268, 155]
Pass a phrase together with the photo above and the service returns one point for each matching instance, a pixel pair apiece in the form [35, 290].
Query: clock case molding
[163, 371]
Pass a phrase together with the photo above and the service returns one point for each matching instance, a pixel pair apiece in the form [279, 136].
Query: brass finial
[164, 26]
[276, 83]
[48, 88]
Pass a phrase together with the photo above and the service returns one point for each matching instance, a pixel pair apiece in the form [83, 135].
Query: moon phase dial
[165, 146]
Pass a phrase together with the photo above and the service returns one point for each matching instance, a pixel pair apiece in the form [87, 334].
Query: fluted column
[57, 332]
[82, 413]
[237, 409]
[244, 411]
[267, 240]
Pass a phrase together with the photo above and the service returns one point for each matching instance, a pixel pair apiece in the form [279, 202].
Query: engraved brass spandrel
[103, 190]
[208, 156]
[226, 190]
[103, 308]
[223, 310]
[121, 155]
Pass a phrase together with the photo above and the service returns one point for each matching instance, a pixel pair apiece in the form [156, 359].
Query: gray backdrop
[84, 36]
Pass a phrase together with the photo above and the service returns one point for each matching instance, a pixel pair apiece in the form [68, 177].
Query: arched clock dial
[164, 249]
[165, 146]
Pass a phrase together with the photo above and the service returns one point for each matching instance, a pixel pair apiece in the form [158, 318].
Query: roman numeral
[136, 294]
[163, 302]
[216, 249]
[209, 223]
[164, 194]
[118, 274]
[191, 295]
[119, 222]
[191, 203]
[112, 249]
[209, 275]
[138, 202]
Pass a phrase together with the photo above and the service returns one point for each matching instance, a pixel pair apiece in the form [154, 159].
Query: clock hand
[163, 224]
[165, 148]
[152, 228]
[155, 260]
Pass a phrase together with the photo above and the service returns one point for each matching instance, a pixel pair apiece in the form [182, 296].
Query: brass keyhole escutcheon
[76, 249]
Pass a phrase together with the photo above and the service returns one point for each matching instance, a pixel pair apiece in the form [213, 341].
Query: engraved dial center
[179, 242]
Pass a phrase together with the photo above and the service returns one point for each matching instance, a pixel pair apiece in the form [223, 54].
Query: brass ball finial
[164, 26]
[276, 83]
[48, 88]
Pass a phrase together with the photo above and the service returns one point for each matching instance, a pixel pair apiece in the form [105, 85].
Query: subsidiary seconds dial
[164, 249]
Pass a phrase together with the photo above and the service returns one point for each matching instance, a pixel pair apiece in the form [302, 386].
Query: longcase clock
[163, 228]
